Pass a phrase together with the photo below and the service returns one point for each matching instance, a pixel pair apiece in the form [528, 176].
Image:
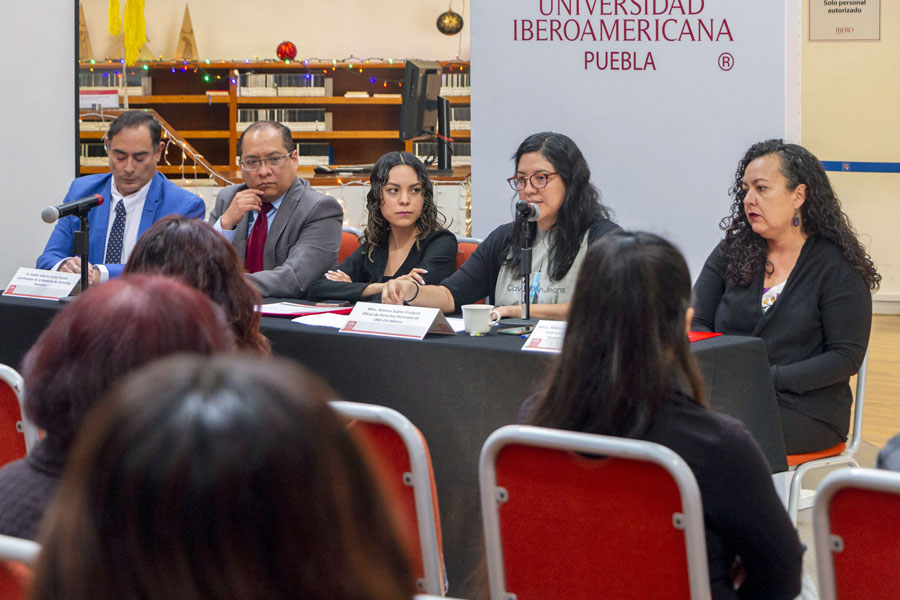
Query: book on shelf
[356, 94]
[312, 154]
[456, 84]
[295, 119]
[261, 85]
[377, 95]
[460, 118]
[460, 152]
[94, 125]
[128, 84]
[93, 154]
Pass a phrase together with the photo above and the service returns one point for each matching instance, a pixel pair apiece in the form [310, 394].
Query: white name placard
[391, 320]
[37, 283]
[546, 337]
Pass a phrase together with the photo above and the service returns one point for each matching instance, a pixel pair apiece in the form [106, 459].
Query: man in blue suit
[133, 192]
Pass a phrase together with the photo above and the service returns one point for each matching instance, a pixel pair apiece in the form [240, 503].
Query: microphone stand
[80, 244]
[525, 264]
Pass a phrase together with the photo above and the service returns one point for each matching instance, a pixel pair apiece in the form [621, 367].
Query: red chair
[401, 459]
[349, 242]
[16, 558]
[578, 516]
[17, 436]
[856, 525]
[466, 246]
[842, 454]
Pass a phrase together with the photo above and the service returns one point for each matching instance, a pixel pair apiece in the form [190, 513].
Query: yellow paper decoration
[134, 30]
[115, 24]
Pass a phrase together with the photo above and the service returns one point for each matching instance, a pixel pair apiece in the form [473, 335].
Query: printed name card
[37, 283]
[546, 337]
[391, 320]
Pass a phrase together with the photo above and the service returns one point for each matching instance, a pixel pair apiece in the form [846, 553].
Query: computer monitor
[419, 109]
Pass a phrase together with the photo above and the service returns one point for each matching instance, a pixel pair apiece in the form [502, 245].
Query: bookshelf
[205, 102]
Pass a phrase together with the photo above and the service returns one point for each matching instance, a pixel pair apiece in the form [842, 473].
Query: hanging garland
[135, 27]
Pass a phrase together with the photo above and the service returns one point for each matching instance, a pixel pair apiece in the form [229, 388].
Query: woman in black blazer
[792, 271]
[404, 236]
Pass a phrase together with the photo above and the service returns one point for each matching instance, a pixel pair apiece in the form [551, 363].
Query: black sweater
[816, 333]
[436, 254]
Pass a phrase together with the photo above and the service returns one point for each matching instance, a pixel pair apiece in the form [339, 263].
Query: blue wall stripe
[861, 167]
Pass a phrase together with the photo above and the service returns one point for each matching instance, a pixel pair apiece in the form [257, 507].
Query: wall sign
[844, 20]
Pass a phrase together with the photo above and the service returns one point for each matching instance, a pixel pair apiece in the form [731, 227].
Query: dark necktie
[257, 242]
[116, 236]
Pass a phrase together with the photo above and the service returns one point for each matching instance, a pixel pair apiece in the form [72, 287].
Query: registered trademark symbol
[726, 61]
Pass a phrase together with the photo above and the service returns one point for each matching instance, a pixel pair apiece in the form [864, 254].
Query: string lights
[309, 66]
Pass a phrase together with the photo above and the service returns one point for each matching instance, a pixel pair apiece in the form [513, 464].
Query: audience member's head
[220, 478]
[628, 344]
[194, 252]
[111, 329]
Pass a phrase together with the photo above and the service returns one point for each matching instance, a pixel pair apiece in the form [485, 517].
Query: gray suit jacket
[302, 243]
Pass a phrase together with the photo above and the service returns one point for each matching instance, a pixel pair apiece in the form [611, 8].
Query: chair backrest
[349, 242]
[624, 522]
[856, 524]
[17, 436]
[403, 464]
[16, 558]
[465, 247]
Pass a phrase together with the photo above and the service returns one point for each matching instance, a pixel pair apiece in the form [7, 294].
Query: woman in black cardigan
[404, 236]
[792, 271]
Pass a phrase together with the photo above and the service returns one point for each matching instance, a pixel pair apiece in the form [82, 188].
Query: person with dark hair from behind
[626, 370]
[134, 194]
[219, 479]
[286, 233]
[792, 272]
[197, 254]
[552, 174]
[404, 236]
[103, 334]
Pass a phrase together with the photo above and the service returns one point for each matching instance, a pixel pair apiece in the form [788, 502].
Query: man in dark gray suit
[286, 233]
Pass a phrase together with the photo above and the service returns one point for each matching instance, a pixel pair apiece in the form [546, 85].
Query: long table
[457, 390]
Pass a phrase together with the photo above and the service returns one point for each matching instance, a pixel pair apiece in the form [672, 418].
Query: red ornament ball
[286, 51]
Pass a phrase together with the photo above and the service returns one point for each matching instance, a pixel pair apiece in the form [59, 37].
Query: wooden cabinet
[201, 102]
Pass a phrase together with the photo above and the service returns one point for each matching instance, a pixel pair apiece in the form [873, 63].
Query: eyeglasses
[538, 181]
[252, 164]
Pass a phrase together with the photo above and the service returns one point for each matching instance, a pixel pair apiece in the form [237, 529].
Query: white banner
[662, 96]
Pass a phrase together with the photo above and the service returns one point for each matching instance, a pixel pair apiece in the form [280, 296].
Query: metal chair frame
[419, 478]
[826, 543]
[491, 495]
[846, 457]
[27, 428]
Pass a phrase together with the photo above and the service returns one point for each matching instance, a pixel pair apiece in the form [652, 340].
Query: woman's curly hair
[377, 228]
[821, 216]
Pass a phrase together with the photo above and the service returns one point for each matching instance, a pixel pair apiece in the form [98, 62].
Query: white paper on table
[456, 323]
[547, 336]
[286, 309]
[323, 320]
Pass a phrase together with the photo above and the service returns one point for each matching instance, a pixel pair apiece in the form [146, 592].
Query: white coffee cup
[478, 318]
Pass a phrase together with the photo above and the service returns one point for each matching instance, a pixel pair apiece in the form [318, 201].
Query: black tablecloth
[457, 390]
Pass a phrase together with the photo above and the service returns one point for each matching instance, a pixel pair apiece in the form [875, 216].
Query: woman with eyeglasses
[551, 174]
[404, 236]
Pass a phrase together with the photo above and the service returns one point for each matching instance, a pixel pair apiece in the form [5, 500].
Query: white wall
[37, 156]
[239, 29]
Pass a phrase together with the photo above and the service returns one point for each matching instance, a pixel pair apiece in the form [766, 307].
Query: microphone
[52, 213]
[527, 211]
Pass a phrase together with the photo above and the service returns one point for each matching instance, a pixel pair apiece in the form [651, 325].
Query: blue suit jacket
[163, 198]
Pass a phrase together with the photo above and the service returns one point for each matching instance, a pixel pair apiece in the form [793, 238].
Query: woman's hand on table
[337, 275]
[415, 275]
